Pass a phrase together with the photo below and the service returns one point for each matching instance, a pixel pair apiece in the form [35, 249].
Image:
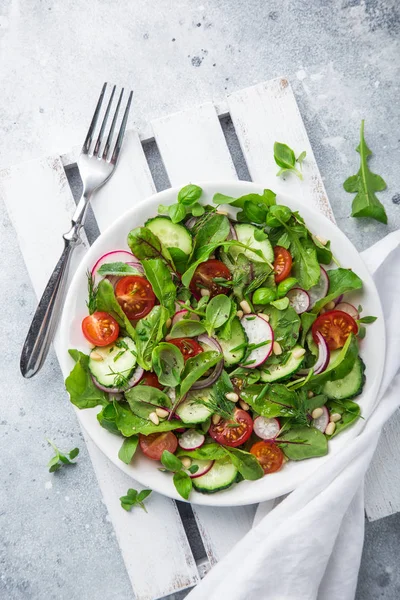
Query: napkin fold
[308, 545]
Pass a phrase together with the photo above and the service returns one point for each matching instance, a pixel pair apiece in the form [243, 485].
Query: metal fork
[96, 169]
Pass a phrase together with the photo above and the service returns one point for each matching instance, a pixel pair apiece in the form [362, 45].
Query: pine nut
[330, 305]
[317, 412]
[222, 212]
[322, 311]
[276, 348]
[96, 356]
[244, 405]
[239, 314]
[330, 428]
[216, 419]
[162, 413]
[153, 418]
[335, 417]
[264, 316]
[245, 307]
[168, 338]
[186, 461]
[232, 396]
[310, 394]
[168, 323]
[204, 292]
[321, 240]
[298, 353]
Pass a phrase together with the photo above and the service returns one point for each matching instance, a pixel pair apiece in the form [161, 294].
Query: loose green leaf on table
[160, 278]
[134, 498]
[61, 458]
[128, 449]
[168, 364]
[285, 158]
[79, 384]
[365, 184]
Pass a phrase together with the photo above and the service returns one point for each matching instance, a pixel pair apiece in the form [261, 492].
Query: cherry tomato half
[234, 432]
[335, 326]
[100, 329]
[269, 455]
[204, 276]
[151, 380]
[282, 263]
[187, 346]
[135, 295]
[153, 445]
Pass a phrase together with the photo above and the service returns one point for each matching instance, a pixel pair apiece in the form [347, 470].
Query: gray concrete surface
[342, 57]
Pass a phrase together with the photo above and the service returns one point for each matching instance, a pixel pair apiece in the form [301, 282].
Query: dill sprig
[92, 293]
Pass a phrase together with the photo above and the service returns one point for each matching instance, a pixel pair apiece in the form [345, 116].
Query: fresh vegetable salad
[220, 346]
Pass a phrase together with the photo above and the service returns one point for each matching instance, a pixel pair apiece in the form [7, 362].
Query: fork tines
[106, 154]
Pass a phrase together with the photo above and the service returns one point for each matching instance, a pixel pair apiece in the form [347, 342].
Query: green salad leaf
[119, 269]
[144, 244]
[128, 449]
[340, 282]
[134, 498]
[186, 328]
[79, 383]
[303, 442]
[168, 364]
[149, 332]
[214, 231]
[247, 464]
[130, 424]
[196, 367]
[218, 311]
[285, 158]
[107, 302]
[183, 484]
[61, 458]
[160, 278]
[349, 410]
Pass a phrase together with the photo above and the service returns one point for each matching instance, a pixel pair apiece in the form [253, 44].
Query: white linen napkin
[308, 546]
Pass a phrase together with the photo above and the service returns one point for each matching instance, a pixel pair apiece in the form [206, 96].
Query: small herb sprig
[92, 293]
[134, 498]
[187, 203]
[286, 159]
[60, 459]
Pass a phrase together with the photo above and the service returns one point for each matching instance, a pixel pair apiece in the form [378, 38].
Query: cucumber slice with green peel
[194, 408]
[348, 387]
[238, 338]
[277, 372]
[110, 364]
[171, 235]
[221, 476]
[245, 235]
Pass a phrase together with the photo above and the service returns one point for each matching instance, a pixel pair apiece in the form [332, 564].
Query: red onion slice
[323, 354]
[134, 380]
[207, 381]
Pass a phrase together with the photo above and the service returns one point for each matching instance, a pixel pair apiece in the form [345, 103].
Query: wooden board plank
[263, 114]
[193, 148]
[44, 182]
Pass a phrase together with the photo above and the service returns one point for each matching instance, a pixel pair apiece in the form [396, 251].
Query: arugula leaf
[60, 458]
[196, 367]
[349, 410]
[286, 160]
[305, 268]
[340, 282]
[134, 498]
[186, 328]
[324, 252]
[79, 384]
[170, 461]
[215, 230]
[92, 293]
[183, 484]
[217, 312]
[107, 302]
[144, 244]
[365, 184]
[160, 278]
[247, 464]
[119, 269]
[128, 449]
[149, 332]
[189, 194]
[168, 364]
[306, 442]
[130, 424]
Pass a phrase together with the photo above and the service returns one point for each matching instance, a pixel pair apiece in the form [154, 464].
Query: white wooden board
[44, 182]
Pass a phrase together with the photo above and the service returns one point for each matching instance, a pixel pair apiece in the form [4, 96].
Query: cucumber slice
[193, 409]
[238, 337]
[245, 234]
[116, 360]
[221, 476]
[278, 372]
[171, 234]
[348, 387]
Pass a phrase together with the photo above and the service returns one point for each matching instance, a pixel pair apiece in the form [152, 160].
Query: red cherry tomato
[269, 455]
[151, 380]
[233, 432]
[135, 295]
[335, 326]
[100, 329]
[153, 445]
[282, 263]
[187, 346]
[204, 276]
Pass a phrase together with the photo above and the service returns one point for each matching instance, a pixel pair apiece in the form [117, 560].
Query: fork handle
[45, 321]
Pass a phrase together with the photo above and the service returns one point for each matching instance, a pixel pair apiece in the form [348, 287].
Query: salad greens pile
[221, 345]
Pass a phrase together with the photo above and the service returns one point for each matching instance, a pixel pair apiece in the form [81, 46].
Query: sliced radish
[323, 354]
[349, 309]
[299, 300]
[191, 439]
[204, 467]
[266, 429]
[180, 314]
[322, 422]
[114, 256]
[320, 289]
[134, 380]
[260, 332]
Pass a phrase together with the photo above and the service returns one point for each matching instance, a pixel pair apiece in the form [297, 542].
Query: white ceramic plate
[144, 470]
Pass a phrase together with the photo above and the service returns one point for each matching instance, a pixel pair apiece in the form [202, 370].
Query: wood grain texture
[263, 114]
[45, 183]
[193, 147]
